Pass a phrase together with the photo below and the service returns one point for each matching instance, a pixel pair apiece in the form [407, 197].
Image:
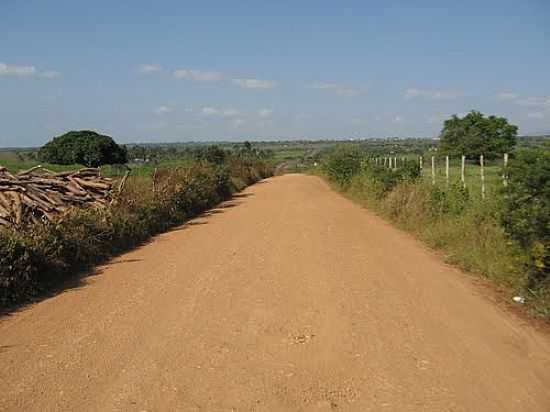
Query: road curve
[287, 298]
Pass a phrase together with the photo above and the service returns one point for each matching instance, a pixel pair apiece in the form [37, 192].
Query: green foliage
[526, 208]
[475, 134]
[342, 163]
[451, 200]
[83, 147]
[386, 179]
[212, 153]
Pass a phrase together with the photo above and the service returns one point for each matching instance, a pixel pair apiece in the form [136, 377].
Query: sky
[174, 71]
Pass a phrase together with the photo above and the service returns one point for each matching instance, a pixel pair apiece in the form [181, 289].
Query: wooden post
[433, 170]
[155, 180]
[390, 163]
[482, 171]
[447, 170]
[420, 161]
[462, 172]
[395, 162]
[505, 172]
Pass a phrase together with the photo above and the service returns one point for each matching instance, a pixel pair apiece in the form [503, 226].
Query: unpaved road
[290, 298]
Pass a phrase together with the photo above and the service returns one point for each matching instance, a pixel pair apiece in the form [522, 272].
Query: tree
[83, 147]
[475, 134]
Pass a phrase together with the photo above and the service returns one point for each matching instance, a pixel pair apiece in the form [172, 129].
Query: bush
[83, 147]
[526, 208]
[342, 163]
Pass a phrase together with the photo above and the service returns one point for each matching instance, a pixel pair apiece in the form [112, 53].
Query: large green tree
[475, 134]
[83, 147]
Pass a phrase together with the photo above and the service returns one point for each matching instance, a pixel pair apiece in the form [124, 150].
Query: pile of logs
[38, 194]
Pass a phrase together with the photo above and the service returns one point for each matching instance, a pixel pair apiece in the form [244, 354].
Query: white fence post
[447, 170]
[482, 171]
[420, 161]
[505, 172]
[463, 172]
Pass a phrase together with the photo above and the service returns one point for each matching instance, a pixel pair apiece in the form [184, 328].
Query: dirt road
[289, 298]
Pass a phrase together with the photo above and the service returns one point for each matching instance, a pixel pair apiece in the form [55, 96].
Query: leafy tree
[212, 153]
[526, 214]
[83, 147]
[475, 134]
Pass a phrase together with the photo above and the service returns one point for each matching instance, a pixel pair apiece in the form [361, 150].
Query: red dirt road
[289, 298]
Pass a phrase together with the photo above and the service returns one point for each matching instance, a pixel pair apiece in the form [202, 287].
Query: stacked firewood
[38, 194]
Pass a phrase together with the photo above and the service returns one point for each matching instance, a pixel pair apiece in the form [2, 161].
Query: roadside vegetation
[152, 199]
[504, 237]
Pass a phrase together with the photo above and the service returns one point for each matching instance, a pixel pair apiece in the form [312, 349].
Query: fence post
[462, 172]
[505, 171]
[482, 171]
[420, 161]
[447, 170]
[395, 162]
[433, 170]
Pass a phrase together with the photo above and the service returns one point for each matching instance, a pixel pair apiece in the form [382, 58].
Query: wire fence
[481, 176]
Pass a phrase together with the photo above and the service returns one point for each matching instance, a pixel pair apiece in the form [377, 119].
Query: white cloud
[255, 83]
[50, 74]
[340, 91]
[431, 94]
[535, 115]
[163, 110]
[198, 75]
[14, 70]
[507, 96]
[210, 111]
[397, 119]
[148, 68]
[323, 85]
[265, 113]
[534, 102]
[230, 113]
[27, 71]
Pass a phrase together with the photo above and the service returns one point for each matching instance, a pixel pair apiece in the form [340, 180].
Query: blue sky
[146, 71]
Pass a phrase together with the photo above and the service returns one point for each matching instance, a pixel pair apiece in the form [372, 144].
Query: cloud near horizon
[255, 83]
[26, 71]
[148, 68]
[412, 93]
[198, 75]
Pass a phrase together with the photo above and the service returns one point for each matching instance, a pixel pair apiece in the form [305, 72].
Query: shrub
[342, 163]
[526, 208]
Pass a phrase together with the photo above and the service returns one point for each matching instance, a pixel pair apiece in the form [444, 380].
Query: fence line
[392, 163]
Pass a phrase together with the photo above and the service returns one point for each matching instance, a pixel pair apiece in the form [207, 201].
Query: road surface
[287, 298]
